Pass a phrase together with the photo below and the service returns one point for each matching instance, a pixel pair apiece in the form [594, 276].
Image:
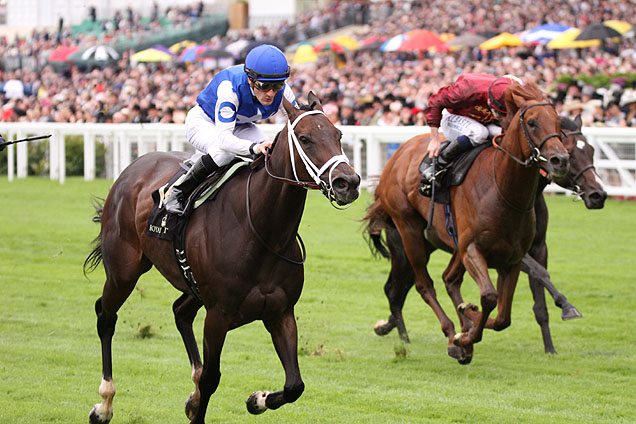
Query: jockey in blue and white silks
[221, 125]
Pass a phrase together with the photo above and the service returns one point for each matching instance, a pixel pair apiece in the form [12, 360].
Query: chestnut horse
[241, 247]
[582, 179]
[493, 211]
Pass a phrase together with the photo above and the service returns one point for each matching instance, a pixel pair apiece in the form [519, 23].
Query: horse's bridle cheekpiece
[313, 170]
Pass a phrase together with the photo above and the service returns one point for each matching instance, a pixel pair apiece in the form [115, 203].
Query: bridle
[572, 180]
[535, 156]
[314, 171]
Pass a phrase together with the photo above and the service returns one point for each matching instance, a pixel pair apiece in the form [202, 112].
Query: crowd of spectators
[361, 87]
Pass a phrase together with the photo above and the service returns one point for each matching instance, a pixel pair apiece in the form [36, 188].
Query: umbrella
[505, 39]
[330, 46]
[347, 42]
[620, 26]
[567, 41]
[466, 40]
[420, 40]
[62, 53]
[393, 43]
[597, 32]
[178, 48]
[100, 53]
[164, 49]
[213, 54]
[191, 53]
[305, 54]
[151, 55]
[236, 47]
[544, 33]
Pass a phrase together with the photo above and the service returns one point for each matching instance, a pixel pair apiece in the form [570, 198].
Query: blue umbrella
[544, 33]
[393, 43]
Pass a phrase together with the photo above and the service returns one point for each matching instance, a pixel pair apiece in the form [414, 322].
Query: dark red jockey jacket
[468, 96]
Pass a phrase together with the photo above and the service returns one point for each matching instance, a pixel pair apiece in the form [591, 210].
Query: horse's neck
[517, 183]
[280, 205]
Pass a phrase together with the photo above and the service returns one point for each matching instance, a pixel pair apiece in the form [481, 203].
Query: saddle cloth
[456, 173]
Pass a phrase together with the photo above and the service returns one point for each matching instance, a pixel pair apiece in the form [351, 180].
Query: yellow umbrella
[346, 41]
[151, 55]
[305, 54]
[179, 47]
[620, 26]
[567, 41]
[505, 39]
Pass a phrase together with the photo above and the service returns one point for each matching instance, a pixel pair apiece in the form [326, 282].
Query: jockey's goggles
[265, 86]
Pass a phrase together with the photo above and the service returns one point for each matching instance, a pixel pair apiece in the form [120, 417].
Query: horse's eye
[532, 123]
[304, 139]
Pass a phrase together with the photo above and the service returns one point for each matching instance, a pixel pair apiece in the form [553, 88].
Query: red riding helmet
[497, 91]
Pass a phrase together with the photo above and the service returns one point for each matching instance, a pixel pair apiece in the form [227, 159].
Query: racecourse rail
[368, 148]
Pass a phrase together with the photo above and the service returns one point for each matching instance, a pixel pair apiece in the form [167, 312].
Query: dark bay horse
[241, 247]
[582, 179]
[493, 211]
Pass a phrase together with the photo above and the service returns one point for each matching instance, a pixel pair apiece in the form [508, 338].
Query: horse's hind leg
[285, 338]
[397, 287]
[185, 310]
[122, 273]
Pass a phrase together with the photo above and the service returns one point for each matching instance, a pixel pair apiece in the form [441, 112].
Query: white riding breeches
[453, 126]
[202, 134]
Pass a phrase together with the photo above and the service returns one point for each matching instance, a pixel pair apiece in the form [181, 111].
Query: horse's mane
[516, 94]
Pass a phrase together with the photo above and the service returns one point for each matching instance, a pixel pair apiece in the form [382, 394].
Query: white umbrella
[100, 53]
[236, 47]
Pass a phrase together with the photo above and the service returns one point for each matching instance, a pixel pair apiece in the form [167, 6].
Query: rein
[263, 242]
[314, 171]
[534, 158]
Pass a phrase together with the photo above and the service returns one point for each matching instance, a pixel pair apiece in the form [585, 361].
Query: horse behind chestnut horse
[492, 209]
[241, 248]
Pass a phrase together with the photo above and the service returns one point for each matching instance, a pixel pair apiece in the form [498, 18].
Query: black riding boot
[195, 175]
[448, 154]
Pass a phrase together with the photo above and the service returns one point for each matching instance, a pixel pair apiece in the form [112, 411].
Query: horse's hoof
[382, 328]
[570, 313]
[466, 360]
[94, 418]
[192, 406]
[457, 339]
[256, 403]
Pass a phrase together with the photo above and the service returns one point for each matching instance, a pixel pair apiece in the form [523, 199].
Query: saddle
[167, 226]
[455, 174]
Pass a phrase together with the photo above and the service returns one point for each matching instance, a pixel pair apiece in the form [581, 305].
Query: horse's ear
[578, 121]
[314, 101]
[291, 110]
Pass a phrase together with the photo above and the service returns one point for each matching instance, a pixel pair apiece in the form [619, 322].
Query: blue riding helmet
[266, 63]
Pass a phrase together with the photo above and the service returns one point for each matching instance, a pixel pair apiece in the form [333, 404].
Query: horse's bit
[313, 171]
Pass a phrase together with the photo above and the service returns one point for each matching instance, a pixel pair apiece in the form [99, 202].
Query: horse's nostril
[340, 184]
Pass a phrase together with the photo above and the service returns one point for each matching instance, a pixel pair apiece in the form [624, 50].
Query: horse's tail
[95, 257]
[377, 220]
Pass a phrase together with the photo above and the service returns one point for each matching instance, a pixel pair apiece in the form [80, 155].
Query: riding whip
[4, 143]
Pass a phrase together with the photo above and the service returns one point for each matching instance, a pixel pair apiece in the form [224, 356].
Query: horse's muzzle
[346, 188]
[594, 199]
[558, 165]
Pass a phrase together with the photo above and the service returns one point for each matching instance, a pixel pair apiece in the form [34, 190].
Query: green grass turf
[50, 365]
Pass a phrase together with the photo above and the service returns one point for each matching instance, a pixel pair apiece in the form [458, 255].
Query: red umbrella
[421, 39]
[327, 46]
[62, 53]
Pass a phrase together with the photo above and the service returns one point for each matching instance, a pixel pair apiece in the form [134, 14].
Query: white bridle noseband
[313, 171]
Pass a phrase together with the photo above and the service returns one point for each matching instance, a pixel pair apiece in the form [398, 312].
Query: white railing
[368, 148]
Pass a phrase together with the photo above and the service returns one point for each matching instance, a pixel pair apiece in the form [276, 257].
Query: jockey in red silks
[466, 112]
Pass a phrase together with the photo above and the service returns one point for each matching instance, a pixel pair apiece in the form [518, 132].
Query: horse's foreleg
[285, 338]
[214, 331]
[477, 267]
[536, 276]
[453, 277]
[185, 310]
[396, 289]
